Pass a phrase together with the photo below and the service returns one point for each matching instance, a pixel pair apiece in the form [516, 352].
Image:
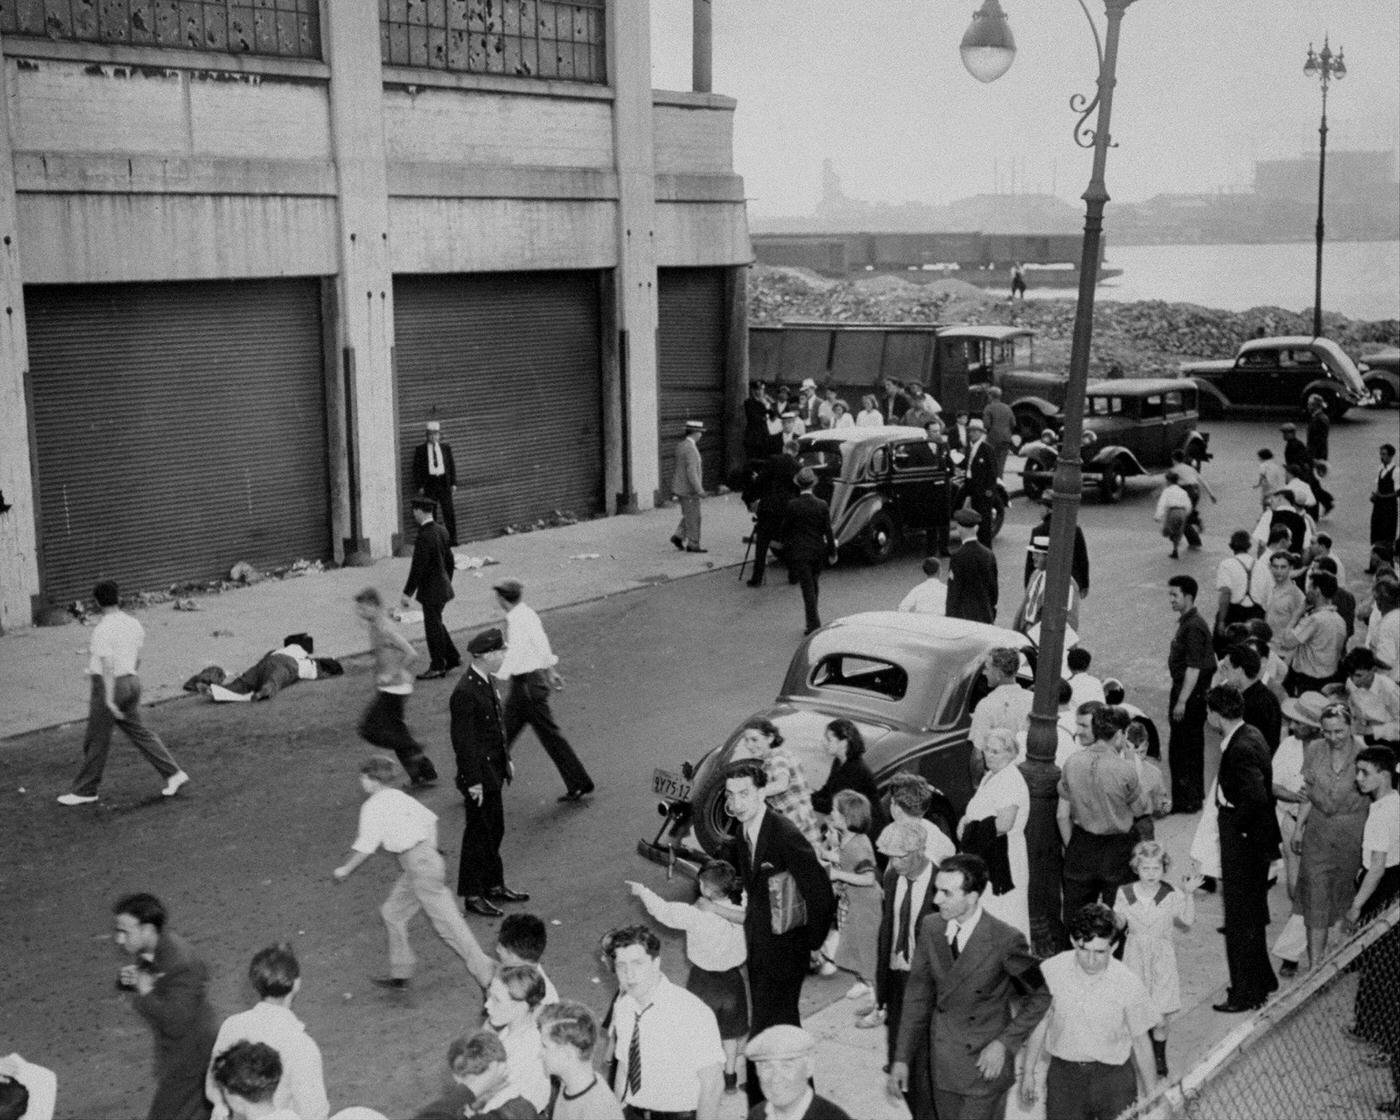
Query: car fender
[1040, 456]
[856, 518]
[1047, 410]
[1381, 382]
[1118, 458]
[1208, 392]
[1331, 387]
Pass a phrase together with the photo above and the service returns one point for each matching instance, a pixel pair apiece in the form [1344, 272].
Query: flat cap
[488, 641]
[968, 518]
[1288, 427]
[776, 1043]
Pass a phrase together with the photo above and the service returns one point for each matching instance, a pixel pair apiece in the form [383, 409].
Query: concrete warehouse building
[250, 248]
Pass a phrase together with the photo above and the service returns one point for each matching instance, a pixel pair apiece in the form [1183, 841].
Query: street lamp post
[1041, 773]
[1324, 67]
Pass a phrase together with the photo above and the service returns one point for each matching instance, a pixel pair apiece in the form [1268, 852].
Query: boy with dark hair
[483, 1087]
[276, 976]
[568, 1037]
[383, 724]
[522, 939]
[246, 1076]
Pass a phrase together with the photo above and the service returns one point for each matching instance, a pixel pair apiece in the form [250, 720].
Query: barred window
[519, 38]
[282, 28]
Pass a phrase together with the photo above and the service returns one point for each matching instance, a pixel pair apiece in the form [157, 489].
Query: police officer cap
[967, 518]
[488, 641]
[776, 1043]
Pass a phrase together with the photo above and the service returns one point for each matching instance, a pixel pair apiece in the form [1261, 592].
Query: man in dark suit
[771, 490]
[1249, 840]
[968, 968]
[430, 579]
[435, 476]
[972, 573]
[766, 846]
[758, 442]
[171, 984]
[982, 477]
[1079, 568]
[806, 531]
[908, 900]
[1191, 664]
[1241, 667]
[483, 768]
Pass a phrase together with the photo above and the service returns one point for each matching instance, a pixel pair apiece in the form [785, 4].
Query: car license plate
[671, 785]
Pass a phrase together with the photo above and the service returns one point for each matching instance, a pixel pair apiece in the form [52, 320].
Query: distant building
[250, 248]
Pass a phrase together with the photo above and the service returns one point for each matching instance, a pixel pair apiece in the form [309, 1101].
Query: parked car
[1005, 357]
[908, 681]
[1271, 374]
[1137, 424]
[1380, 373]
[883, 484]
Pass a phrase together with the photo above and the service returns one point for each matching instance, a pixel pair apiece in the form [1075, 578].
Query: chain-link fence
[1328, 1047]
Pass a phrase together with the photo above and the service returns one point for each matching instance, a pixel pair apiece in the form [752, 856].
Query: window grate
[516, 38]
[281, 28]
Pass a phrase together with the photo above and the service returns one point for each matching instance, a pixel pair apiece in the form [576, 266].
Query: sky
[1205, 87]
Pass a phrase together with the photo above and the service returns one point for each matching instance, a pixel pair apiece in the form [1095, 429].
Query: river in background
[1360, 279]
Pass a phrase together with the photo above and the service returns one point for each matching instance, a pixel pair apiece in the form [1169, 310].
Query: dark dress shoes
[695, 548]
[680, 544]
[432, 675]
[393, 983]
[754, 582]
[1233, 1006]
[504, 894]
[577, 794]
[475, 904]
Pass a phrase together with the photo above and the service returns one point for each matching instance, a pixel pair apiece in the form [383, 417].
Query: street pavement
[697, 654]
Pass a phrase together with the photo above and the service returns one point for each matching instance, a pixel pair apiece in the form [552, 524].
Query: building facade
[248, 250]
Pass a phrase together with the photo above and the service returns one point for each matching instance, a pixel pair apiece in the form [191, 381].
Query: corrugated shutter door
[180, 427]
[691, 348]
[511, 365]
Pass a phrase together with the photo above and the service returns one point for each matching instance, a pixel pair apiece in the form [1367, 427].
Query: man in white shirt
[435, 475]
[665, 1040]
[1084, 686]
[276, 976]
[530, 668]
[1242, 583]
[929, 597]
[408, 829]
[1375, 700]
[1007, 705]
[114, 700]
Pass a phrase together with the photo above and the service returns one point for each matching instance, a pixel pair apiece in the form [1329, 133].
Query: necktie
[634, 1056]
[901, 945]
[434, 459]
[953, 939]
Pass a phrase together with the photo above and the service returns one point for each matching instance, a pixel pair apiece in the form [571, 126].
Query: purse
[787, 908]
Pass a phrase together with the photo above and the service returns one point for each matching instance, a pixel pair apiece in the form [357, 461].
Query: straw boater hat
[695, 425]
[433, 426]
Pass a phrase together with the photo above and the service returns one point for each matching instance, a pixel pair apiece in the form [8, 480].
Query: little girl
[858, 890]
[1149, 908]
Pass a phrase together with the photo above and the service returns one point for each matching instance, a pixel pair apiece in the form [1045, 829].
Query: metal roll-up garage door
[511, 365]
[691, 354]
[180, 428]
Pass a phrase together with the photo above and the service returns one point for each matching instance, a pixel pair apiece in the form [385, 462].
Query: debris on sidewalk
[405, 614]
[187, 605]
[587, 556]
[471, 563]
[557, 518]
[244, 572]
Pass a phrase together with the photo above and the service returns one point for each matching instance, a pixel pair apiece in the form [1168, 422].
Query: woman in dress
[869, 415]
[1384, 496]
[843, 741]
[1002, 795]
[1300, 721]
[1330, 827]
[787, 791]
[857, 884]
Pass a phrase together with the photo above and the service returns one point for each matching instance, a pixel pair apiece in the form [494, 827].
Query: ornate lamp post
[993, 46]
[1324, 67]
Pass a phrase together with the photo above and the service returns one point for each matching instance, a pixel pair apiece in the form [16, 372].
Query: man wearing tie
[982, 477]
[435, 476]
[483, 769]
[968, 967]
[908, 900]
[767, 846]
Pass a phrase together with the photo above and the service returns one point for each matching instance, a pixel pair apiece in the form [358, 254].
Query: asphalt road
[243, 856]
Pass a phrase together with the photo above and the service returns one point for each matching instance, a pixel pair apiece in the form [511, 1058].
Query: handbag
[787, 908]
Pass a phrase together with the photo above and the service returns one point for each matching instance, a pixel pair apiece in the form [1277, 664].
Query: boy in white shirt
[1173, 508]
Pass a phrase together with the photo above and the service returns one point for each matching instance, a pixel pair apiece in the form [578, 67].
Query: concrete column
[19, 562]
[363, 432]
[701, 46]
[629, 38]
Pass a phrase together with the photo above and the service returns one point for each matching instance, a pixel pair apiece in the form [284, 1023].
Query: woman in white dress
[869, 415]
[1003, 795]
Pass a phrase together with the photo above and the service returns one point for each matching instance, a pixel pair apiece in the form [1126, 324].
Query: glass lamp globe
[988, 48]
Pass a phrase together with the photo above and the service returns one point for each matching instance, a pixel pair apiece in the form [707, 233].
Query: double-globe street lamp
[988, 49]
[1324, 66]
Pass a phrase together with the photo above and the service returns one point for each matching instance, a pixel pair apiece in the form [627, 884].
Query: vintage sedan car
[1380, 373]
[908, 681]
[1137, 424]
[883, 484]
[1273, 374]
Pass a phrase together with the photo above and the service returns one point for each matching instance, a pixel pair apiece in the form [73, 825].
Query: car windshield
[867, 675]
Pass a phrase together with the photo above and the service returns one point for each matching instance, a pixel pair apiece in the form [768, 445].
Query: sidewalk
[42, 669]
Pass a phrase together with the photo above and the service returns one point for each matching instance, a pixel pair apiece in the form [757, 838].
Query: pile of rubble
[1145, 338]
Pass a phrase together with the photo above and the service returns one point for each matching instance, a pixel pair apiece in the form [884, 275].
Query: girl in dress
[1149, 909]
[852, 870]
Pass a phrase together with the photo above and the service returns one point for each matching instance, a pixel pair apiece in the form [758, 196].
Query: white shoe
[77, 799]
[225, 696]
[172, 787]
[859, 991]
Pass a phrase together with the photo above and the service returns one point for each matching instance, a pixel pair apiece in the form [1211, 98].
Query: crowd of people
[925, 910]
